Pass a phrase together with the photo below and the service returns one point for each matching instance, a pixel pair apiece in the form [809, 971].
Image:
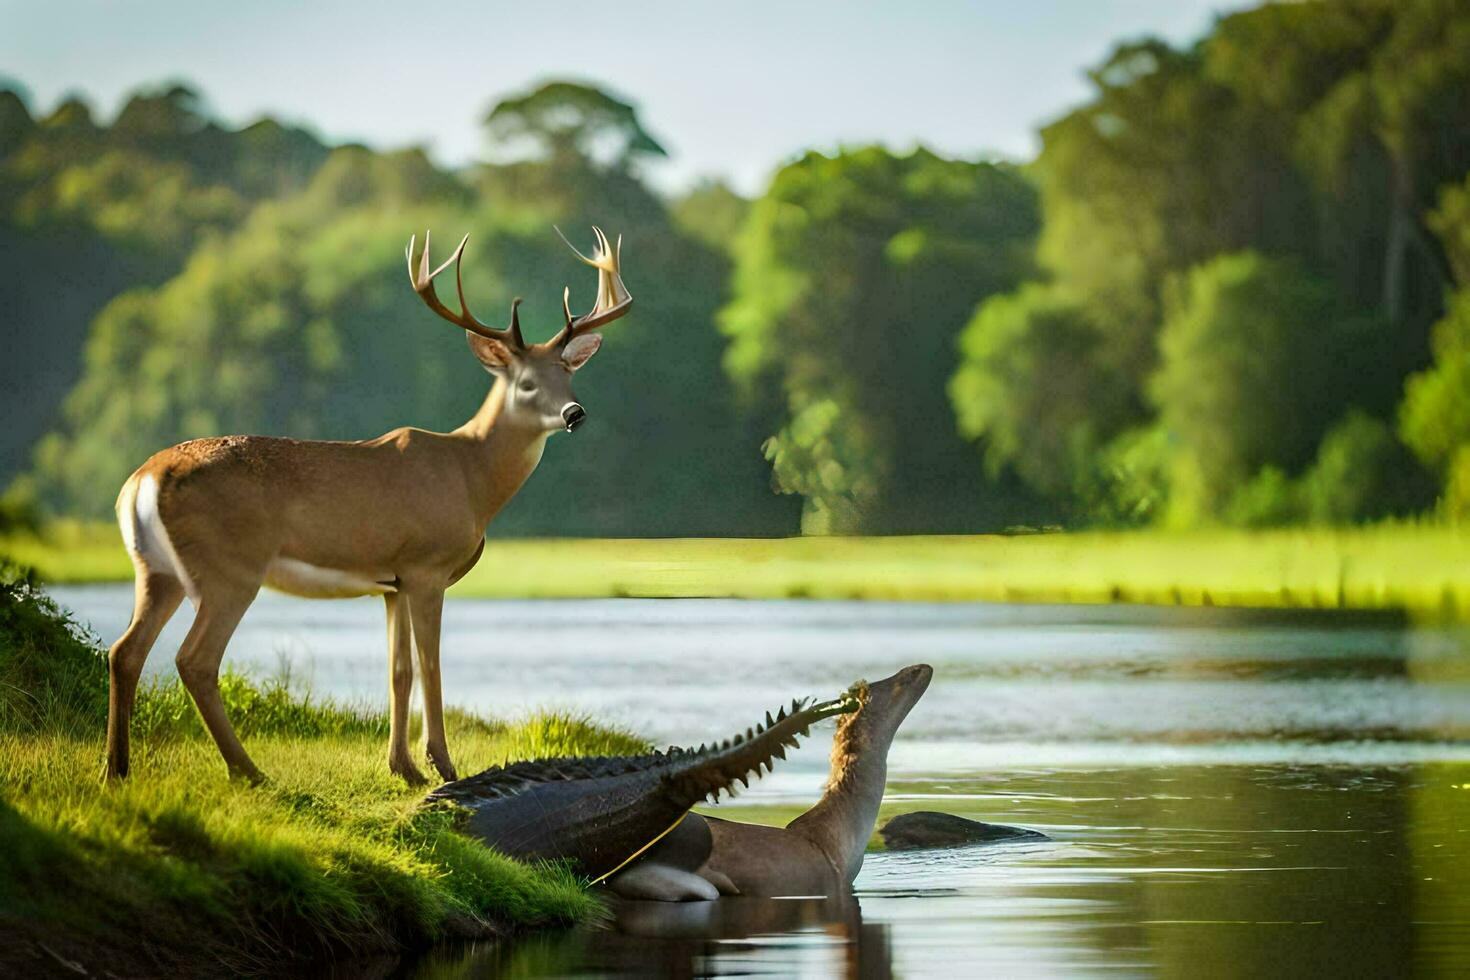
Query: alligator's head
[883, 706]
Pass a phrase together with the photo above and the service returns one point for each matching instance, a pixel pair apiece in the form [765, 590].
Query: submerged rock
[927, 828]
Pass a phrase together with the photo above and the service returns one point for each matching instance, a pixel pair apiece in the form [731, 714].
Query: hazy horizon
[725, 95]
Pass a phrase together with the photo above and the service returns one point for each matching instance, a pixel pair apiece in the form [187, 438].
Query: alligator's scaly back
[599, 813]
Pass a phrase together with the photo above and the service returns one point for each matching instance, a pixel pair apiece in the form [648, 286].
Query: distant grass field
[1421, 568]
[179, 871]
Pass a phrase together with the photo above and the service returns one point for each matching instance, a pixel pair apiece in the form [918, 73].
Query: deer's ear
[496, 357]
[579, 350]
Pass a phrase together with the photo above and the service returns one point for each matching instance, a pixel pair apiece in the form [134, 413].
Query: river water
[1227, 792]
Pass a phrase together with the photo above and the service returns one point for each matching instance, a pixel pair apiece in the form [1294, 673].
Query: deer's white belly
[315, 582]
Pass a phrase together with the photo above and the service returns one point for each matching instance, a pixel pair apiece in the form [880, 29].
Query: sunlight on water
[1260, 794]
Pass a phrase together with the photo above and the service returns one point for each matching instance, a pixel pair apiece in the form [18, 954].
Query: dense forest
[1233, 288]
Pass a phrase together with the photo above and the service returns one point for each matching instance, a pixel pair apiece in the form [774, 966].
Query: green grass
[1423, 568]
[180, 871]
[71, 551]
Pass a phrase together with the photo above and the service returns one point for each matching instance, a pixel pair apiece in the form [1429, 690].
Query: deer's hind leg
[400, 689]
[198, 661]
[156, 596]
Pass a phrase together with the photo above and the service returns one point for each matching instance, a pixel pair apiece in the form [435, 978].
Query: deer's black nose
[573, 415]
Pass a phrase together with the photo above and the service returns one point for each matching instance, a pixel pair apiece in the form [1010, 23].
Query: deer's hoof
[408, 772]
[250, 776]
[444, 768]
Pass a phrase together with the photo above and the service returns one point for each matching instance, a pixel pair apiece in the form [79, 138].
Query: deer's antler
[423, 284]
[613, 298]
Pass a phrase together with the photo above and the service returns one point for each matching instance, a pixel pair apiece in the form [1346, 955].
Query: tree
[1434, 417]
[853, 276]
[1257, 359]
[567, 124]
[16, 124]
[1163, 169]
[164, 118]
[1450, 222]
[1362, 473]
[1322, 131]
[1033, 389]
[712, 213]
[1383, 140]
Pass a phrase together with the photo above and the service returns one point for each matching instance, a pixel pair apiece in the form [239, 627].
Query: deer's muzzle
[573, 415]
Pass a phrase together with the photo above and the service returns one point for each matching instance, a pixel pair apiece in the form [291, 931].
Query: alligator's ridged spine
[690, 775]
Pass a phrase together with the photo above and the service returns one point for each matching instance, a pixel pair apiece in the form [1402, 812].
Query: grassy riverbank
[180, 871]
[1422, 568]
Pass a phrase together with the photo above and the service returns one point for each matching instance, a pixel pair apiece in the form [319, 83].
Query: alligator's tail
[704, 772]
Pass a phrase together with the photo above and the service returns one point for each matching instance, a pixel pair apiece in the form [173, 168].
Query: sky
[731, 90]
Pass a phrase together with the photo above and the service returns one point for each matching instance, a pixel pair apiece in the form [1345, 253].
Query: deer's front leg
[426, 608]
[400, 689]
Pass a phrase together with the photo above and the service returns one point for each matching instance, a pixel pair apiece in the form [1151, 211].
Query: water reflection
[733, 937]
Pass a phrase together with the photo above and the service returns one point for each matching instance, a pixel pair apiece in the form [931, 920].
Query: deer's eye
[528, 386]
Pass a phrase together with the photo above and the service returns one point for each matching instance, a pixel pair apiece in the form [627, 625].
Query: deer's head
[883, 705]
[538, 377]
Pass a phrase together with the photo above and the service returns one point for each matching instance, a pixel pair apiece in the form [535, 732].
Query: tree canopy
[853, 276]
[564, 121]
[1234, 287]
[1239, 250]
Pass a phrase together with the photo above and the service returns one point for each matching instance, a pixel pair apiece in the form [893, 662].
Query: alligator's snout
[573, 415]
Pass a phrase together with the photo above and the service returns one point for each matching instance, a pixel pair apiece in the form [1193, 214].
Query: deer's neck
[842, 821]
[501, 455]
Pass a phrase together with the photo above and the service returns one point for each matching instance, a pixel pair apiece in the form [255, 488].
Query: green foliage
[88, 212]
[18, 515]
[1257, 358]
[853, 275]
[1435, 416]
[711, 213]
[566, 123]
[1362, 473]
[1268, 499]
[1034, 390]
[1450, 223]
[1133, 475]
[1320, 134]
[52, 677]
[1455, 503]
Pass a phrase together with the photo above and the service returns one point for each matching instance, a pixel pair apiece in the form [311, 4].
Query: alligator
[598, 814]
[626, 821]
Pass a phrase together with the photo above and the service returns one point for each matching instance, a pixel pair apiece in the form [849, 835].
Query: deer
[402, 516]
